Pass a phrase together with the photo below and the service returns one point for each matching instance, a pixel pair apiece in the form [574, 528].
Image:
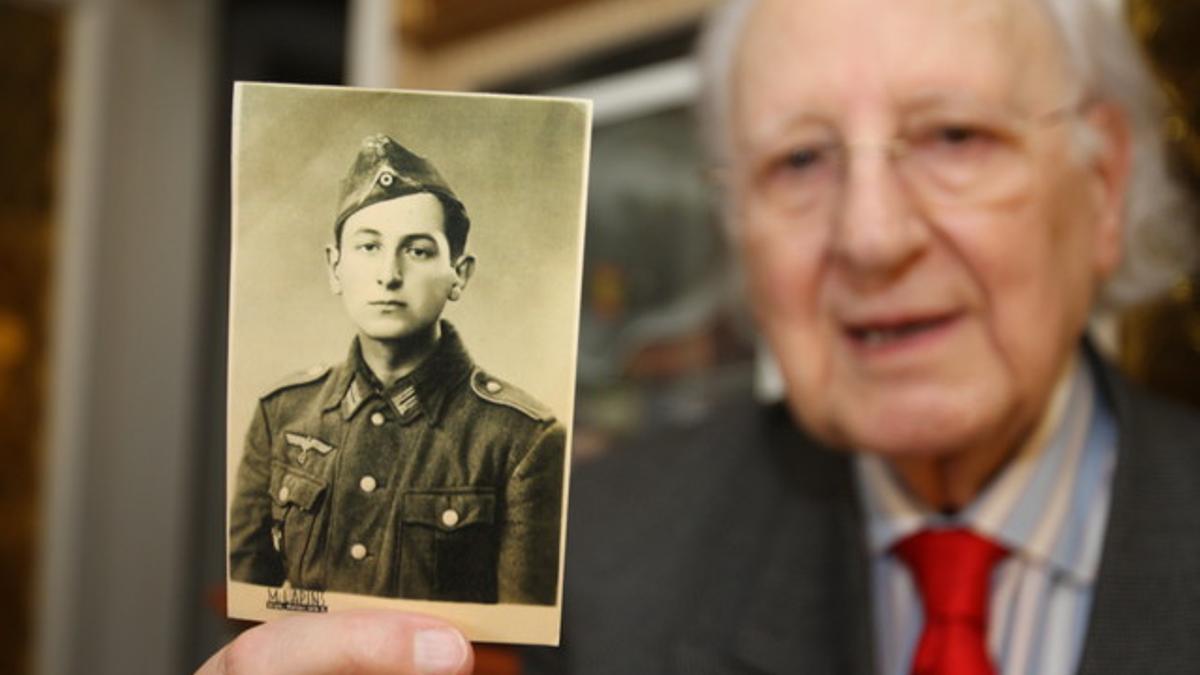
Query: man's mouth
[397, 304]
[882, 333]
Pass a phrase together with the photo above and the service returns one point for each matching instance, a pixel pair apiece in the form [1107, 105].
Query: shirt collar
[1038, 505]
[423, 391]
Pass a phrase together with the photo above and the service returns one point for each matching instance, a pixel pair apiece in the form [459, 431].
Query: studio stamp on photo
[404, 303]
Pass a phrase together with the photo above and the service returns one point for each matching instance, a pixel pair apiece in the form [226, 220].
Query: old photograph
[404, 308]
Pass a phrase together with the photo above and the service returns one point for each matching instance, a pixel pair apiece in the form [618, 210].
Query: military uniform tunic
[445, 486]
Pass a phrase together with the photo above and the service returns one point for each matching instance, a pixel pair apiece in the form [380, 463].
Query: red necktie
[952, 569]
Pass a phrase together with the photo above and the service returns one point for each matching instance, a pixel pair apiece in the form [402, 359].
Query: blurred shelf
[456, 44]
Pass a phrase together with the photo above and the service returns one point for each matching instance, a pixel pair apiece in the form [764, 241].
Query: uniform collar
[423, 391]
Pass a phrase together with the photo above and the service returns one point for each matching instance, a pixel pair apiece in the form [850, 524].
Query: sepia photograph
[404, 310]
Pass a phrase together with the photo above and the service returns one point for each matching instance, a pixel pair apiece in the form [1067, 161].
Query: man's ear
[463, 269]
[1110, 165]
[333, 256]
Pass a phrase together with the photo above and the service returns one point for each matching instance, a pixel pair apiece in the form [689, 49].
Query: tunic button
[377, 418]
[493, 387]
[358, 551]
[283, 493]
[449, 517]
[367, 484]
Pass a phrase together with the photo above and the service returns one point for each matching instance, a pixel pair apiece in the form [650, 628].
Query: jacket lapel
[1145, 613]
[809, 612]
[796, 567]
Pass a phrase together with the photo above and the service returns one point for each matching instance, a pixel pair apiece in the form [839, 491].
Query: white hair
[1160, 244]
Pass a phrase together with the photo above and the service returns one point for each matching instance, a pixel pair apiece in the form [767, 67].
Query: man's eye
[420, 252]
[958, 135]
[797, 174]
[367, 247]
[956, 138]
[801, 159]
[957, 144]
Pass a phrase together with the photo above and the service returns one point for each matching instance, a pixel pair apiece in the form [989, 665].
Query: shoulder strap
[494, 390]
[299, 378]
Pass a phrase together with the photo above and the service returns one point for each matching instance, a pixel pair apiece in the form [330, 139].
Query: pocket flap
[449, 509]
[291, 487]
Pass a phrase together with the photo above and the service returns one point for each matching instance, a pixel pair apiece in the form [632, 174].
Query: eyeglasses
[945, 156]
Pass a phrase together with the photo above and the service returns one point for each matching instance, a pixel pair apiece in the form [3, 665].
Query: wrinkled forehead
[832, 55]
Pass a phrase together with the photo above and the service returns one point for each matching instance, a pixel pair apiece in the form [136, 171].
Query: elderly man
[929, 197]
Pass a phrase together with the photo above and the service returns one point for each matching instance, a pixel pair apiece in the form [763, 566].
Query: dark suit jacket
[737, 547]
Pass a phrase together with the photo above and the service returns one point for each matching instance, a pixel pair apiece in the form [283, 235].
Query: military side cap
[384, 170]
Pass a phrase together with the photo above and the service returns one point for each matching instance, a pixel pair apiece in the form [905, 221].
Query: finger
[360, 642]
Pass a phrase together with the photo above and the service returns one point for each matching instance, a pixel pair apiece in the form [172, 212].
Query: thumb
[357, 642]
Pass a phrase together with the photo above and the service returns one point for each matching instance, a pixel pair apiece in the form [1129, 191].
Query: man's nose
[390, 273]
[878, 230]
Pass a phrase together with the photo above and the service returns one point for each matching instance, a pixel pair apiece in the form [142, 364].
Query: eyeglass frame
[895, 149]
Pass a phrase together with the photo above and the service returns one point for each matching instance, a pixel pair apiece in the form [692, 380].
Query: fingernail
[438, 651]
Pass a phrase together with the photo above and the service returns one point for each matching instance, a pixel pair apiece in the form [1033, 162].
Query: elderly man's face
[922, 294]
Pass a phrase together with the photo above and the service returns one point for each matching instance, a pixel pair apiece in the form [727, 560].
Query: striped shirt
[1048, 507]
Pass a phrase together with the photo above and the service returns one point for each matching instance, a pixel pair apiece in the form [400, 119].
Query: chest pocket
[450, 509]
[449, 546]
[295, 500]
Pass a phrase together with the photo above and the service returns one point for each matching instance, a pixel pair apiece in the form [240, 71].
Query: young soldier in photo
[406, 470]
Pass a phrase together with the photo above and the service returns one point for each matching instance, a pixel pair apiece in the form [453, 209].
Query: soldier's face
[921, 231]
[393, 267]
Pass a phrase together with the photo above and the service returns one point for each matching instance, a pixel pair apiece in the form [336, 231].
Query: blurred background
[114, 174]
